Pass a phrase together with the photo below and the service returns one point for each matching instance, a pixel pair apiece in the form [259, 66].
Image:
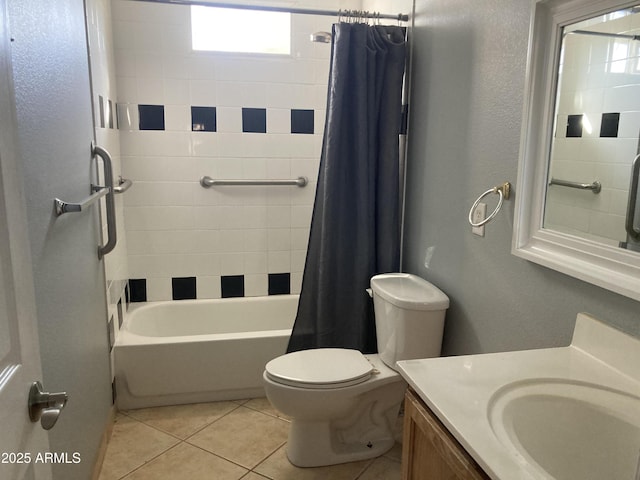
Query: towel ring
[503, 191]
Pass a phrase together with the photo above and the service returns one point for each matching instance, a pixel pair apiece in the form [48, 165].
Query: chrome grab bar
[110, 201]
[62, 207]
[633, 200]
[595, 187]
[124, 184]
[207, 182]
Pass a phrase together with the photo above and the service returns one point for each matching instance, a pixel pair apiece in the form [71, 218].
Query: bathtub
[189, 351]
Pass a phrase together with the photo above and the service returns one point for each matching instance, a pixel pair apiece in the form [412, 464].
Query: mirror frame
[609, 267]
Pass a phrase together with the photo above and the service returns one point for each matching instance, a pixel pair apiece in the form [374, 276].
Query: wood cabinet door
[429, 451]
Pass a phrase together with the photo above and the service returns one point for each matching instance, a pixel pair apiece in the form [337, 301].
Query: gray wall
[468, 84]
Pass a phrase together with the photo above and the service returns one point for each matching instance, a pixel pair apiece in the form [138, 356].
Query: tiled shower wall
[597, 131]
[103, 83]
[186, 114]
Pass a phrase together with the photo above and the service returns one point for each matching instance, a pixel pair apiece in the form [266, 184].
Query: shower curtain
[355, 228]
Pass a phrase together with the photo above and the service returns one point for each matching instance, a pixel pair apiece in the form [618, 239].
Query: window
[244, 31]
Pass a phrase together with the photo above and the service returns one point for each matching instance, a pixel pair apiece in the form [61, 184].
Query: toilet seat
[320, 368]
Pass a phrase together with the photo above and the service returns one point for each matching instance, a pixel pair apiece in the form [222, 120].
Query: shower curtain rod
[401, 17]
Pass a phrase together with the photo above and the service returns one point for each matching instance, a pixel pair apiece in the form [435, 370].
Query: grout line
[150, 460]
[211, 423]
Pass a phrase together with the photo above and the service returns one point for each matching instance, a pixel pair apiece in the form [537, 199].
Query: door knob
[45, 406]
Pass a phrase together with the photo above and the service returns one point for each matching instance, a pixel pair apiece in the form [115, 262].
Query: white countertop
[459, 390]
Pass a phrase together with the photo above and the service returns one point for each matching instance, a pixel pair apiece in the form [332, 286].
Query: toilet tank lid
[409, 291]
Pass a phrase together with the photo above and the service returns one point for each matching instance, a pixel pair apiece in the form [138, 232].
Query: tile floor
[242, 439]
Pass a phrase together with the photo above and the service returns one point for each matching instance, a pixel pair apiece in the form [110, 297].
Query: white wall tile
[229, 119]
[255, 240]
[231, 264]
[278, 216]
[208, 287]
[256, 285]
[279, 262]
[158, 289]
[279, 240]
[177, 117]
[231, 241]
[279, 120]
[176, 91]
[179, 228]
[202, 93]
[255, 262]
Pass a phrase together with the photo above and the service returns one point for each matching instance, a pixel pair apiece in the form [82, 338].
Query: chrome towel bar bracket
[61, 207]
[208, 182]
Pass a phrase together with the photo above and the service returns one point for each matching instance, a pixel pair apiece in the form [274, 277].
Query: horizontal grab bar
[207, 182]
[595, 187]
[62, 207]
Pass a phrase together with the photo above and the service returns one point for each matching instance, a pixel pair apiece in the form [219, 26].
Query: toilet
[344, 404]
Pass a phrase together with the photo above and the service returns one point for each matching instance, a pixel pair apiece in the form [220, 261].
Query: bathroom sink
[568, 429]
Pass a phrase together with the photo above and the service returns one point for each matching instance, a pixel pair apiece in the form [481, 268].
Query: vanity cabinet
[429, 451]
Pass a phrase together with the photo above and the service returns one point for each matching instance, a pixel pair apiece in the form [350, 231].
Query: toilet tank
[409, 315]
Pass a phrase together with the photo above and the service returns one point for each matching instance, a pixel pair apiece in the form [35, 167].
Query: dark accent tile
[232, 286]
[574, 126]
[183, 288]
[127, 297]
[118, 116]
[203, 119]
[114, 394]
[151, 117]
[302, 121]
[120, 314]
[279, 283]
[101, 110]
[609, 125]
[110, 103]
[138, 289]
[254, 120]
[112, 333]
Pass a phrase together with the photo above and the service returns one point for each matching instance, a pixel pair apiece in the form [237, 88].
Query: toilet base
[368, 433]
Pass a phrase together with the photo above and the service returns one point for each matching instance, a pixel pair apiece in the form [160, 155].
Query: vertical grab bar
[633, 199]
[111, 206]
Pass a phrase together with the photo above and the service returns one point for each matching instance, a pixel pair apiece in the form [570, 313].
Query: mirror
[577, 207]
[596, 133]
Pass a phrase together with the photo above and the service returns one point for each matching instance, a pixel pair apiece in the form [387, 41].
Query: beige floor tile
[254, 476]
[187, 462]
[278, 467]
[382, 468]
[244, 436]
[263, 405]
[131, 445]
[183, 420]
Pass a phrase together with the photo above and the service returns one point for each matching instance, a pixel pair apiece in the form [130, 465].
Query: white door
[21, 440]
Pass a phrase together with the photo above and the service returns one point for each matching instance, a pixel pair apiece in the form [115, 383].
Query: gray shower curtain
[355, 228]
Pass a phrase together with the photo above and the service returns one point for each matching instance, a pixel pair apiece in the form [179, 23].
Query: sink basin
[568, 430]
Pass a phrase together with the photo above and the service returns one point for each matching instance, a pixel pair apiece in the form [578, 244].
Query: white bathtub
[189, 351]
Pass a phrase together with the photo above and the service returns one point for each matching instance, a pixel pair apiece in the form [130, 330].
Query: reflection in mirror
[592, 183]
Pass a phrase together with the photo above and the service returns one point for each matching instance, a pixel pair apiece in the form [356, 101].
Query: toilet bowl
[343, 420]
[343, 404]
